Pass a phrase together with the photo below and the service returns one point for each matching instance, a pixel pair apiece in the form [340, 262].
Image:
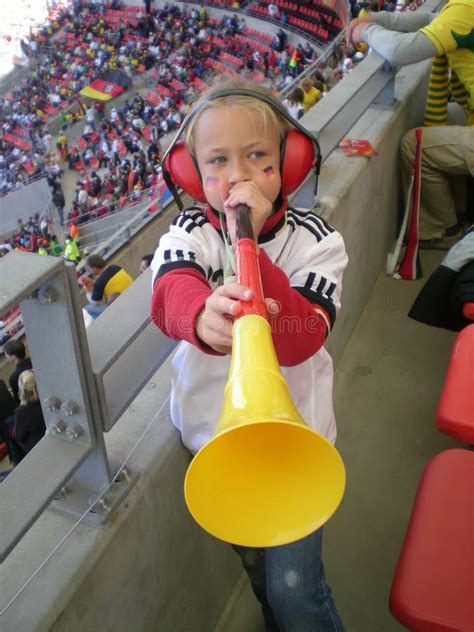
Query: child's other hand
[214, 324]
[247, 192]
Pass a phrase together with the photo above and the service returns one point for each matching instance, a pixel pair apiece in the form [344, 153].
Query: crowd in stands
[33, 235]
[315, 18]
[361, 8]
[178, 46]
[179, 49]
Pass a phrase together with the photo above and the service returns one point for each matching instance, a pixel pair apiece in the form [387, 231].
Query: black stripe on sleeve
[310, 280]
[293, 222]
[177, 265]
[319, 299]
[330, 291]
[321, 284]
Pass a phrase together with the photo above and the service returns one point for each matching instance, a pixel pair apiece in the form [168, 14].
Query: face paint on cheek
[269, 171]
[211, 182]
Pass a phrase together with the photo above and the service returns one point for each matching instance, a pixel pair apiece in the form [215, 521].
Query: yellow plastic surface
[265, 478]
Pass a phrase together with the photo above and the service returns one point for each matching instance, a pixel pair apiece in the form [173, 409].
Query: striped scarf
[436, 108]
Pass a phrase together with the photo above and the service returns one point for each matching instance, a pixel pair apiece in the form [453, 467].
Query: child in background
[236, 143]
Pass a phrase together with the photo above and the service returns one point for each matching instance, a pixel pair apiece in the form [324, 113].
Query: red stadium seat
[433, 586]
[455, 414]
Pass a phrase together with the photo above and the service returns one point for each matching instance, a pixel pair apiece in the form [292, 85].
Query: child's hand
[247, 192]
[214, 324]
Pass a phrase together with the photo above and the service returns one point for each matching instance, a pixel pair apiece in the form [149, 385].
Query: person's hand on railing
[355, 29]
[86, 281]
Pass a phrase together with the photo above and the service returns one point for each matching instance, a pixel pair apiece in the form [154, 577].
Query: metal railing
[83, 392]
[105, 245]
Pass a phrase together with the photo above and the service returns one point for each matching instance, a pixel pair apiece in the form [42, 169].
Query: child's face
[233, 145]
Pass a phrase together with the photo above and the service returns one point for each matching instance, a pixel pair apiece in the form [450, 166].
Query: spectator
[188, 306]
[15, 353]
[71, 251]
[111, 281]
[447, 150]
[55, 246]
[311, 94]
[7, 408]
[59, 202]
[273, 10]
[27, 426]
[295, 103]
[145, 263]
[266, 64]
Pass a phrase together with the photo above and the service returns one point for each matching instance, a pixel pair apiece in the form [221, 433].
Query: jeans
[290, 584]
[95, 310]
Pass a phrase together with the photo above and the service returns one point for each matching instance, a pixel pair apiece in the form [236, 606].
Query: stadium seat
[455, 413]
[432, 590]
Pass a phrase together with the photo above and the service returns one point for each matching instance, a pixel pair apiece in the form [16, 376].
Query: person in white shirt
[273, 10]
[236, 143]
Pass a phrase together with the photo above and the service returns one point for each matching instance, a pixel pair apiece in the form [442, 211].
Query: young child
[236, 142]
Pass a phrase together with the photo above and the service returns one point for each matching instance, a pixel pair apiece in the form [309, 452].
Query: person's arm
[98, 289]
[180, 288]
[179, 296]
[390, 25]
[300, 328]
[400, 49]
[403, 22]
[309, 296]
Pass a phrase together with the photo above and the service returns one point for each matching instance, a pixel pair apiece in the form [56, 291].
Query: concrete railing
[23, 204]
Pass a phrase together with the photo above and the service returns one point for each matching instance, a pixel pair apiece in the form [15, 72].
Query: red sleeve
[297, 331]
[178, 298]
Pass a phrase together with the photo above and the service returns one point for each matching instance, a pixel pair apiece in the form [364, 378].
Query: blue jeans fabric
[290, 584]
[95, 310]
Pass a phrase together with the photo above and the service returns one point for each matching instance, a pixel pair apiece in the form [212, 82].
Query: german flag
[101, 90]
[107, 86]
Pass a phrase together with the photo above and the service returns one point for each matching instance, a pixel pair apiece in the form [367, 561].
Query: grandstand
[101, 539]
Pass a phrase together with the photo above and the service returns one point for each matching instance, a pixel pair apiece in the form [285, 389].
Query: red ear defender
[297, 160]
[179, 164]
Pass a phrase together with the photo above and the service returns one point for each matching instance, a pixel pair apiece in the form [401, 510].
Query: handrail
[313, 66]
[75, 397]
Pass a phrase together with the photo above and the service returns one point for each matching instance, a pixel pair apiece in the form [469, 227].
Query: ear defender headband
[299, 153]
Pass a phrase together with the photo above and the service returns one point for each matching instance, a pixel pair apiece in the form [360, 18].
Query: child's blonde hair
[27, 388]
[267, 114]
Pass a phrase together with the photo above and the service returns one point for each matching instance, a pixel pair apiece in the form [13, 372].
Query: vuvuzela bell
[265, 478]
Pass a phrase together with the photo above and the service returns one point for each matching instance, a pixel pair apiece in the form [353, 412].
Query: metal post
[73, 451]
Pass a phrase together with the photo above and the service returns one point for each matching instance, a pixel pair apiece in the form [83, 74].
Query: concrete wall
[362, 196]
[23, 204]
[151, 568]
